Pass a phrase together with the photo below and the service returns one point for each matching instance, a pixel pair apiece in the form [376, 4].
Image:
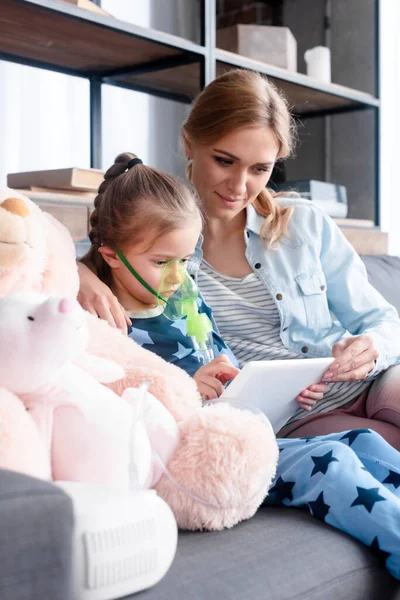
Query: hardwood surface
[35, 33]
[181, 80]
[367, 241]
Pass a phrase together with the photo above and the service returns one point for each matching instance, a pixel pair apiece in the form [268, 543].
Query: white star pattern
[182, 351]
[141, 337]
[181, 325]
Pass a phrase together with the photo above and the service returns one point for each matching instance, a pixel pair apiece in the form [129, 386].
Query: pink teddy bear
[225, 458]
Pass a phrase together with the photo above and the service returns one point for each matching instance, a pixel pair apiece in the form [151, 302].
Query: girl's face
[178, 244]
[229, 174]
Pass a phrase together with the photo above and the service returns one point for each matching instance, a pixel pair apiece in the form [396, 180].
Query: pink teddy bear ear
[67, 306]
[16, 206]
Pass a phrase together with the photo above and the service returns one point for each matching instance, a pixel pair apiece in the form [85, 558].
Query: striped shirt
[249, 323]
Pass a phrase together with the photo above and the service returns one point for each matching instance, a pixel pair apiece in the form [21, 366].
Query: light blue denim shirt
[312, 275]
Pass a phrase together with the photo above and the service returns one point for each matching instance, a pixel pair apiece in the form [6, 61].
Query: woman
[275, 269]
[144, 228]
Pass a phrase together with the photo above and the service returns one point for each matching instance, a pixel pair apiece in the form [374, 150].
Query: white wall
[44, 116]
[44, 120]
[390, 122]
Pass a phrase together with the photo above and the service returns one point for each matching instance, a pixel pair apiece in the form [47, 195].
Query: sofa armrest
[36, 528]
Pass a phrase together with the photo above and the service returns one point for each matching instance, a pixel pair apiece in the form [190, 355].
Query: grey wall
[350, 154]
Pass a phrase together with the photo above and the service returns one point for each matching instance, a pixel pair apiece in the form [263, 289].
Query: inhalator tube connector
[204, 350]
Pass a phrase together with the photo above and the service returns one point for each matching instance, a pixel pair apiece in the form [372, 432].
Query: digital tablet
[273, 385]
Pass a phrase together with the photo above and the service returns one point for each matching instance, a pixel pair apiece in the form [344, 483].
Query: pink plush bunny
[90, 433]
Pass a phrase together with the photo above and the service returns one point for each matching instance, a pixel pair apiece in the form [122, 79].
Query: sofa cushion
[280, 554]
[384, 274]
[36, 531]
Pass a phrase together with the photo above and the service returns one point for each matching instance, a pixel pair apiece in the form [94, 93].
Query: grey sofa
[280, 554]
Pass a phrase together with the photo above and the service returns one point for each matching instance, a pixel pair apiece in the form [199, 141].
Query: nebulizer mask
[177, 294]
[182, 302]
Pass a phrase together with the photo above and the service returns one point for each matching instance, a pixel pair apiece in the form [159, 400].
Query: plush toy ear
[15, 206]
[101, 369]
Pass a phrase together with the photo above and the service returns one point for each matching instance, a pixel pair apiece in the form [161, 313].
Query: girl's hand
[97, 298]
[211, 378]
[355, 358]
[310, 396]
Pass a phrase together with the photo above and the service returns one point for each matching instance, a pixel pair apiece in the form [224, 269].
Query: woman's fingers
[315, 394]
[356, 375]
[98, 299]
[354, 359]
[90, 310]
[354, 370]
[310, 396]
[305, 406]
[306, 403]
[119, 315]
[127, 319]
[109, 309]
[318, 387]
[365, 358]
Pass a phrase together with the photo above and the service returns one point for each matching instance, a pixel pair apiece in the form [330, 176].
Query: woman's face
[229, 174]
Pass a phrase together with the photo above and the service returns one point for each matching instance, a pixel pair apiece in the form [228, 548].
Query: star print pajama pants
[350, 480]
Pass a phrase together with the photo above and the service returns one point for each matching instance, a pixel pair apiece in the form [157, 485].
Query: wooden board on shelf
[305, 94]
[28, 190]
[348, 222]
[85, 43]
[62, 197]
[183, 80]
[367, 240]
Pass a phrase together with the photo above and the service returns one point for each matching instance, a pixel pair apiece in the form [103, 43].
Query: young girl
[144, 220]
[149, 220]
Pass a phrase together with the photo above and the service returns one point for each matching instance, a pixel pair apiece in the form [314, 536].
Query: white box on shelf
[274, 45]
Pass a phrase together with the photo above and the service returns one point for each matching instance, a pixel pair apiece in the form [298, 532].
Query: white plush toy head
[39, 336]
[36, 251]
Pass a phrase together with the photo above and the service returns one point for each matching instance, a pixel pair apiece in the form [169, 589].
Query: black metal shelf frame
[207, 56]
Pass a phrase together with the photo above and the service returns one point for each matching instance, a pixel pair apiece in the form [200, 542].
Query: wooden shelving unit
[308, 97]
[54, 35]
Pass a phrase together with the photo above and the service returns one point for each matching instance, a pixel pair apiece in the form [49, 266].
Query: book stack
[67, 194]
[72, 184]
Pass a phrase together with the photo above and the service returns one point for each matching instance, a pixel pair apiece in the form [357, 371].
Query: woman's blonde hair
[132, 203]
[239, 99]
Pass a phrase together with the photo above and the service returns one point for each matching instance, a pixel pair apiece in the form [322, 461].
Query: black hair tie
[133, 162]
